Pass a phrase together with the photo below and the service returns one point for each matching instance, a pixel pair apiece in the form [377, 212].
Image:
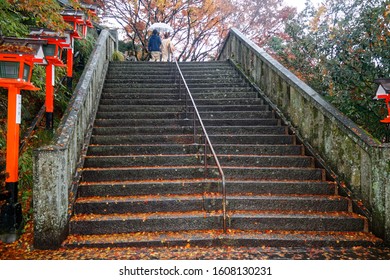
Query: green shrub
[118, 56]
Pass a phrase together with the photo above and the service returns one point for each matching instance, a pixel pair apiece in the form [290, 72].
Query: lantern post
[76, 19]
[17, 58]
[53, 53]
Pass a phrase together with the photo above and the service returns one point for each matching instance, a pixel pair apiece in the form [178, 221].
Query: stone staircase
[144, 181]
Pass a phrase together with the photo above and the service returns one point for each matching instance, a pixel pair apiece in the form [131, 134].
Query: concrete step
[157, 149]
[159, 89]
[273, 173]
[200, 186]
[143, 130]
[140, 66]
[230, 108]
[144, 108]
[224, 72]
[184, 115]
[297, 221]
[265, 161]
[209, 66]
[231, 238]
[121, 79]
[162, 94]
[253, 139]
[139, 204]
[102, 175]
[265, 149]
[202, 220]
[142, 102]
[240, 130]
[124, 223]
[141, 160]
[209, 202]
[181, 107]
[147, 187]
[237, 114]
[128, 150]
[141, 72]
[233, 86]
[162, 65]
[141, 139]
[156, 90]
[176, 172]
[99, 122]
[172, 93]
[196, 159]
[176, 101]
[140, 115]
[151, 130]
[259, 139]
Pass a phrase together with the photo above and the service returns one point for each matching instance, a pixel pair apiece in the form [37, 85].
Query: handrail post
[194, 125]
[205, 157]
[175, 77]
[186, 101]
[224, 206]
[206, 143]
[180, 89]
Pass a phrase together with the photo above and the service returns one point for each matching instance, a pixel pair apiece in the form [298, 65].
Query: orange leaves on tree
[7, 48]
[314, 23]
[45, 12]
[260, 20]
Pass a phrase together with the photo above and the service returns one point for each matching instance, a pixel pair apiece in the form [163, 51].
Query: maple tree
[261, 20]
[42, 13]
[200, 26]
[19, 14]
[339, 49]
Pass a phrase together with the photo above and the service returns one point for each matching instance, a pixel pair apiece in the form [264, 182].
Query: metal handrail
[207, 141]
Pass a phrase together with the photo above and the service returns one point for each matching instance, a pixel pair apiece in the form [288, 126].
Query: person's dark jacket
[154, 43]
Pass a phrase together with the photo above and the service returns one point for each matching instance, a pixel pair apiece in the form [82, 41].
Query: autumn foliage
[200, 26]
[44, 13]
[339, 49]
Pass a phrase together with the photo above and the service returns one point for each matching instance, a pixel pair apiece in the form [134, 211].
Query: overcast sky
[300, 4]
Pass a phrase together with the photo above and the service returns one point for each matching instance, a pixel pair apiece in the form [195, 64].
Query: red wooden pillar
[69, 64]
[13, 124]
[49, 101]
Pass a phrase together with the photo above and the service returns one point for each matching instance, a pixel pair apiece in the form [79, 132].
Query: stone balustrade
[359, 163]
[55, 166]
